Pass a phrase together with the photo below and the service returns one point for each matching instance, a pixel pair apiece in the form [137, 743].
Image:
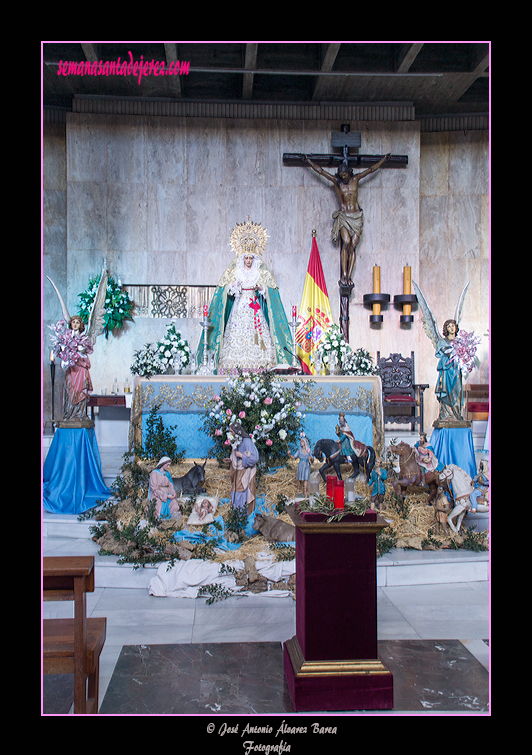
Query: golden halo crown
[248, 238]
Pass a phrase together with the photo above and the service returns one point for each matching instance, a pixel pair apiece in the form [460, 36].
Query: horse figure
[327, 447]
[190, 482]
[412, 474]
[462, 487]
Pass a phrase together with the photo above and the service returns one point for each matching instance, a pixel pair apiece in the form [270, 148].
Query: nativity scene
[267, 428]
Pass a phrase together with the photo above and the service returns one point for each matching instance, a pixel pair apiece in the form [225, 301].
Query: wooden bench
[73, 646]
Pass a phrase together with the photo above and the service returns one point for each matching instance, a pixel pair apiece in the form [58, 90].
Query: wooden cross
[346, 141]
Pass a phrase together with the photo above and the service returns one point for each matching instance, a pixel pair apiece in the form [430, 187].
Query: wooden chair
[401, 395]
[477, 401]
[73, 646]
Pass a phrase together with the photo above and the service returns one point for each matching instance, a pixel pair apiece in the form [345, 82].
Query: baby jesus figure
[202, 508]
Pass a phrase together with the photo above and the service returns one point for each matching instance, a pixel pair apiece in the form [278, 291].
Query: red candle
[294, 311]
[331, 480]
[205, 310]
[338, 495]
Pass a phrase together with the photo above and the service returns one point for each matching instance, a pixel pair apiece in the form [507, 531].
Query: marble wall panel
[434, 236]
[127, 216]
[206, 223]
[87, 221]
[206, 153]
[166, 223]
[166, 143]
[86, 147]
[126, 150]
[465, 212]
[160, 196]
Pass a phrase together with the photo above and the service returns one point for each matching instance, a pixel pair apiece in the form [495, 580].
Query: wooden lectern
[332, 662]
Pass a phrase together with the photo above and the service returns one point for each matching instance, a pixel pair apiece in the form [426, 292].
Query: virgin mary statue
[248, 329]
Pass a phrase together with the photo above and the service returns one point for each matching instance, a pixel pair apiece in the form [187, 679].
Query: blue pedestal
[72, 473]
[454, 445]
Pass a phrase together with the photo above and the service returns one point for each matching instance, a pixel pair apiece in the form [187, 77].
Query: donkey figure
[192, 480]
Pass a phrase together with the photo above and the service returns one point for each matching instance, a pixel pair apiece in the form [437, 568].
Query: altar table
[181, 400]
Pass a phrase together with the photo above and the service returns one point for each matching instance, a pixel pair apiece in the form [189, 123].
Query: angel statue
[72, 343]
[456, 353]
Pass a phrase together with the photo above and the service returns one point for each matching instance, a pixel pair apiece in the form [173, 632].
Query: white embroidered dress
[247, 342]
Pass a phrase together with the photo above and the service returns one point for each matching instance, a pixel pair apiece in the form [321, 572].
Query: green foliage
[215, 592]
[281, 502]
[118, 305]
[386, 540]
[159, 440]
[473, 540]
[284, 552]
[237, 519]
[323, 505]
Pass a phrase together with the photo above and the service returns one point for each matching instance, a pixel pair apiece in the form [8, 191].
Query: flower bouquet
[266, 407]
[332, 349]
[118, 305]
[67, 345]
[173, 350]
[146, 363]
[358, 362]
[464, 352]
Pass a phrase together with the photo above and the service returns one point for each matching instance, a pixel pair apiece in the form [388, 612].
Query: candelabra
[205, 368]
[293, 328]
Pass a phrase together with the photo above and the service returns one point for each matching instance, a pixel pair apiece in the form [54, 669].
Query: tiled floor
[181, 656]
[412, 622]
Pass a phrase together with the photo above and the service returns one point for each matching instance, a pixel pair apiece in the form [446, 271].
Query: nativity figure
[162, 491]
[248, 329]
[72, 343]
[376, 482]
[304, 454]
[480, 497]
[244, 458]
[462, 487]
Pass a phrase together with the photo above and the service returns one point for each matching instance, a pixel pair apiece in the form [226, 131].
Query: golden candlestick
[376, 288]
[407, 298]
[376, 298]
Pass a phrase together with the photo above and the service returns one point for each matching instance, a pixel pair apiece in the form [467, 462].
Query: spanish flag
[315, 316]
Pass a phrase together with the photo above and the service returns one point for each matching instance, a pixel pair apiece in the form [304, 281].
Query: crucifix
[348, 219]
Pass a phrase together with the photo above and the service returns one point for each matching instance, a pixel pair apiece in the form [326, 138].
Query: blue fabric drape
[455, 446]
[219, 534]
[72, 473]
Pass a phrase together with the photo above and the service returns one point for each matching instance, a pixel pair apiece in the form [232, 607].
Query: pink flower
[227, 442]
[269, 442]
[242, 415]
[216, 398]
[218, 432]
[268, 400]
[228, 412]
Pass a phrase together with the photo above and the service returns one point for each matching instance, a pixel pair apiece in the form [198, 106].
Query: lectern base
[336, 685]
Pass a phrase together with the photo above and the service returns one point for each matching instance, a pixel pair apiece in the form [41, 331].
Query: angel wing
[428, 320]
[96, 321]
[64, 309]
[459, 306]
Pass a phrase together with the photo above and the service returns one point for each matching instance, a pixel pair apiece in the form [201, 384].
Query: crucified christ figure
[348, 219]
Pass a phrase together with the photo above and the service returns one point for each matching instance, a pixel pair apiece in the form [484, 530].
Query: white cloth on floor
[185, 578]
